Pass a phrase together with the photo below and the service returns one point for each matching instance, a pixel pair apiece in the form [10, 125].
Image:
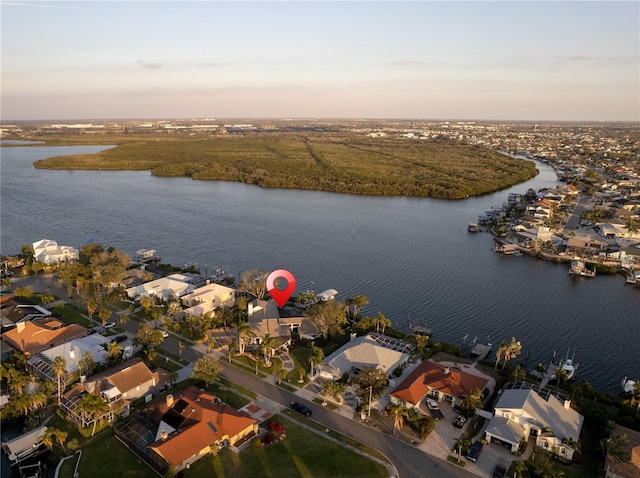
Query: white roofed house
[371, 350]
[49, 252]
[521, 414]
[207, 299]
[72, 352]
[167, 287]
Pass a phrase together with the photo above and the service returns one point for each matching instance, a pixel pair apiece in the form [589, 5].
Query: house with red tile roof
[436, 381]
[33, 336]
[195, 424]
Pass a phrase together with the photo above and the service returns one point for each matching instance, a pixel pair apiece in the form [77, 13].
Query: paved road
[574, 220]
[410, 461]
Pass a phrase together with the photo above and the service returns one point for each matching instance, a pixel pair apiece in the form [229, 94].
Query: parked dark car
[301, 408]
[474, 451]
[120, 338]
[499, 471]
[91, 331]
[459, 421]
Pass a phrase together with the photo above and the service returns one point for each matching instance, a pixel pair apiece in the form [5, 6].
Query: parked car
[120, 338]
[459, 421]
[165, 334]
[499, 471]
[301, 408]
[91, 331]
[474, 451]
[432, 405]
[109, 325]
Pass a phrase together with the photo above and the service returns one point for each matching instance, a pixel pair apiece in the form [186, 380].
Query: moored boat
[473, 227]
[627, 385]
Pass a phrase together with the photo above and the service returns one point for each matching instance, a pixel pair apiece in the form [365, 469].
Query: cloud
[153, 66]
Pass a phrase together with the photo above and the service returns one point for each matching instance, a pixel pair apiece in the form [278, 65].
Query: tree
[114, 353]
[502, 348]
[461, 445]
[370, 377]
[206, 369]
[471, 401]
[512, 350]
[149, 338]
[268, 347]
[53, 434]
[105, 315]
[245, 332]
[254, 282]
[23, 292]
[399, 414]
[232, 347]
[334, 388]
[315, 356]
[382, 323]
[519, 467]
[223, 316]
[616, 449]
[561, 376]
[92, 408]
[108, 268]
[59, 366]
[359, 301]
[330, 317]
[282, 374]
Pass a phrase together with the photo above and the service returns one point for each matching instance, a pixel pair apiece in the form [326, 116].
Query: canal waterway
[412, 258]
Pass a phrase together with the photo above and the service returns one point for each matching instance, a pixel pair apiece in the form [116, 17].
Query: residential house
[117, 386]
[72, 352]
[40, 334]
[207, 299]
[49, 252]
[165, 288]
[371, 350]
[193, 425]
[584, 245]
[13, 313]
[614, 468]
[265, 317]
[521, 414]
[437, 381]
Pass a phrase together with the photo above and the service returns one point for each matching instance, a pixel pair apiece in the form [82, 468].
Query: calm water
[412, 258]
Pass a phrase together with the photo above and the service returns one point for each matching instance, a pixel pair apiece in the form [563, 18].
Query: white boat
[568, 366]
[628, 385]
[473, 227]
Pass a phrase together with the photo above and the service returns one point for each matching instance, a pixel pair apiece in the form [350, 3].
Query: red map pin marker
[281, 296]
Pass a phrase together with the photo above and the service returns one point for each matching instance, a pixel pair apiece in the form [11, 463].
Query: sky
[473, 60]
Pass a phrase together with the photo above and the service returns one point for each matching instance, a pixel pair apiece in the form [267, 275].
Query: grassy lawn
[302, 454]
[107, 457]
[73, 315]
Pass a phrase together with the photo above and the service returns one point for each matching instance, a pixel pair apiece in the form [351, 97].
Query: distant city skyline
[474, 60]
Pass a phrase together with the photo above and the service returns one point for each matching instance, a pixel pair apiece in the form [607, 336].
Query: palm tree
[224, 316]
[232, 348]
[315, 357]
[105, 315]
[519, 467]
[94, 408]
[512, 351]
[502, 348]
[472, 400]
[245, 332]
[461, 445]
[616, 449]
[59, 366]
[561, 376]
[52, 434]
[359, 301]
[268, 344]
[398, 413]
[282, 374]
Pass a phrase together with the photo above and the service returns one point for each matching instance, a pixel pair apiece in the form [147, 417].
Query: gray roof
[505, 429]
[563, 421]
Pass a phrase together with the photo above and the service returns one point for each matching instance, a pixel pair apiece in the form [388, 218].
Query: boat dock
[481, 351]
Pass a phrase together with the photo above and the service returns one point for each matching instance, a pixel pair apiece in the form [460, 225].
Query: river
[412, 258]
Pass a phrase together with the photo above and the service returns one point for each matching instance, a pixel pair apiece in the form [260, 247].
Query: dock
[481, 351]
